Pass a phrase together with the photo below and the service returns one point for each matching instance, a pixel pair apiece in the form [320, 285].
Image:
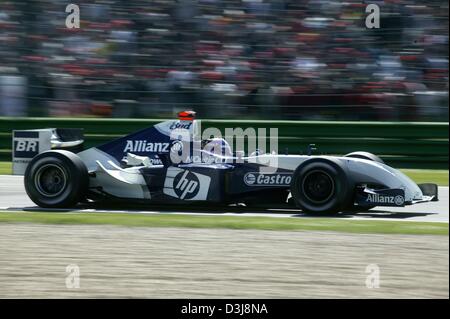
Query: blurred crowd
[268, 59]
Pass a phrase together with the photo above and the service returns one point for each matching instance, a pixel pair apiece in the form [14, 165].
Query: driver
[217, 146]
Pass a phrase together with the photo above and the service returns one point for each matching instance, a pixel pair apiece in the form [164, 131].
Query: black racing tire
[322, 186]
[56, 179]
[366, 156]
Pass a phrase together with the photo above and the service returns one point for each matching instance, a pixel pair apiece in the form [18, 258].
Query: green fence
[405, 145]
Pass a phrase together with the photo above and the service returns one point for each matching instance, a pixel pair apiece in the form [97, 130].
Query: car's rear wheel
[56, 179]
[321, 186]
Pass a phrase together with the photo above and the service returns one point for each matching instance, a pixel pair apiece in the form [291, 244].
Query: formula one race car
[141, 167]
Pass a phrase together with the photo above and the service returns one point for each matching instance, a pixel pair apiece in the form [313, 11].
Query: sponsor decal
[180, 125]
[26, 144]
[250, 179]
[260, 179]
[156, 161]
[398, 200]
[185, 184]
[205, 158]
[142, 146]
[152, 160]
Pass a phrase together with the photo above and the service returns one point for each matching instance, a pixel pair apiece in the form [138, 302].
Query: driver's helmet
[218, 146]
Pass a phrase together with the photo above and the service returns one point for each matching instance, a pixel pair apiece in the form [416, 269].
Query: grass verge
[5, 168]
[439, 177]
[230, 222]
[436, 176]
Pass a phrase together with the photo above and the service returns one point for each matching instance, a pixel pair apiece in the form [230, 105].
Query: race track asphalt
[14, 198]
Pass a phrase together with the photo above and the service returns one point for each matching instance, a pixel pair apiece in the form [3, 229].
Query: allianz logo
[134, 146]
[386, 199]
[260, 179]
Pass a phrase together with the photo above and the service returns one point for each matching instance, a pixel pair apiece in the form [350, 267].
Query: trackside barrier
[400, 144]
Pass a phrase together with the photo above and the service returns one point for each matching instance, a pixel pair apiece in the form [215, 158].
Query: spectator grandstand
[267, 59]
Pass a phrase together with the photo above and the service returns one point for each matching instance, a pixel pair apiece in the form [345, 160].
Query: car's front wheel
[321, 186]
[56, 179]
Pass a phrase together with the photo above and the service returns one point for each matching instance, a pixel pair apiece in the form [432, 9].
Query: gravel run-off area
[142, 262]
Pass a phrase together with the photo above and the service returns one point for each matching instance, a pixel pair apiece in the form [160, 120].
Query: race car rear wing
[26, 144]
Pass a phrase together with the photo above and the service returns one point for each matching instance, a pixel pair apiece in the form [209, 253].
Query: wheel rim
[50, 180]
[318, 186]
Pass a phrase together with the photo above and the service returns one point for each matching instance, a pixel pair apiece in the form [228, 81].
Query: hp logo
[186, 184]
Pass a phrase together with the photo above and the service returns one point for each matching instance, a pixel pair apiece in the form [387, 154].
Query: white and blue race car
[140, 168]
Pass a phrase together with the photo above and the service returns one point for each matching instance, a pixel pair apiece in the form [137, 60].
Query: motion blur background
[265, 59]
